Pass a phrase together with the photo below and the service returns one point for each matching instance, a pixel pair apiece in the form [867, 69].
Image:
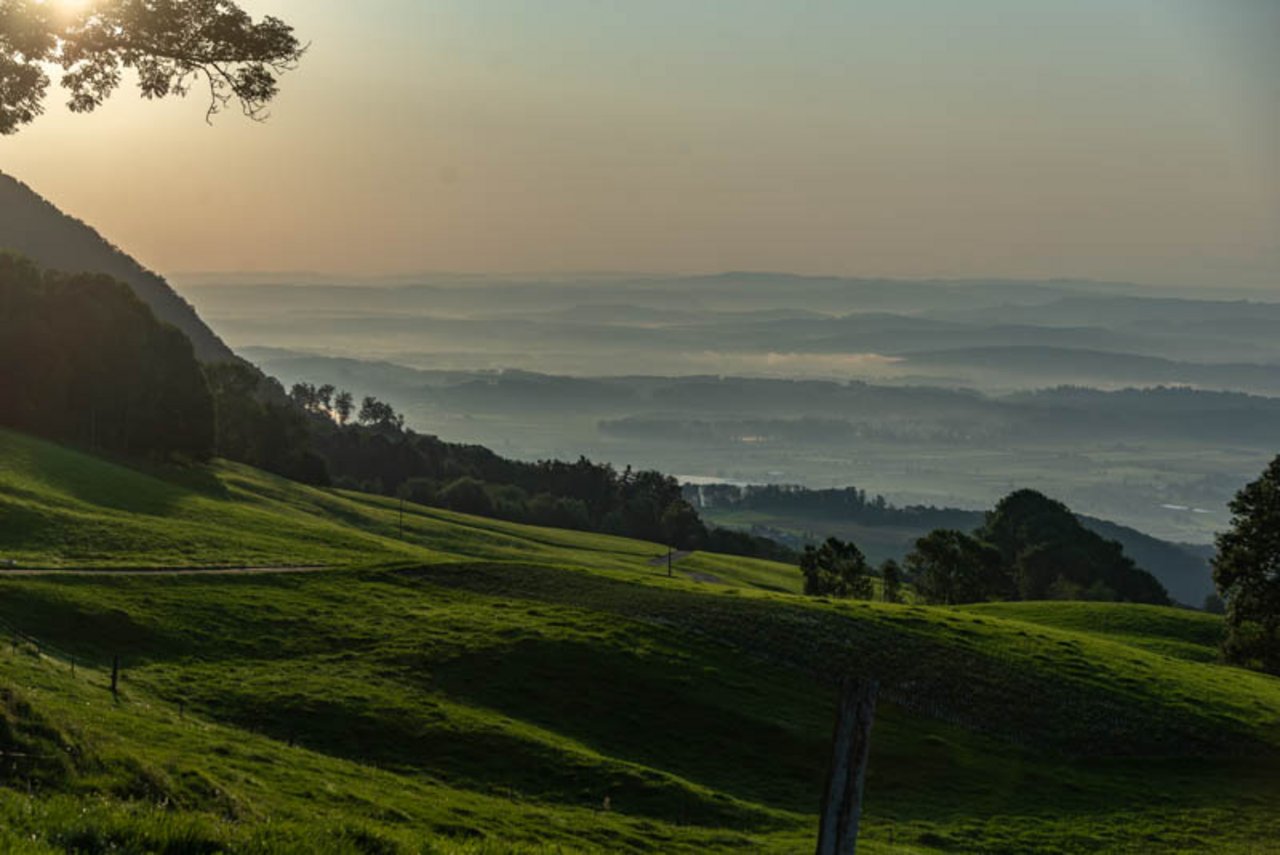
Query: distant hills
[32, 226]
[1039, 365]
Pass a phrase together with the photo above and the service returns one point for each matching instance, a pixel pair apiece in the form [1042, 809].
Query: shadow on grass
[660, 713]
[125, 484]
[483, 757]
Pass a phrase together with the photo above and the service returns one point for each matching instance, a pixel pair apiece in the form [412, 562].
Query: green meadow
[447, 684]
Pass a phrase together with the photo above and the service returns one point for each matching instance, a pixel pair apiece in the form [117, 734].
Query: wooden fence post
[115, 676]
[850, 747]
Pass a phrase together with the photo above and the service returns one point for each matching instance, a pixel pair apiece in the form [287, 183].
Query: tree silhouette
[836, 569]
[1246, 571]
[171, 45]
[891, 577]
[343, 406]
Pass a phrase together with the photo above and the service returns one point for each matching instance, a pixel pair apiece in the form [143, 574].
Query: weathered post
[115, 676]
[850, 747]
[670, 550]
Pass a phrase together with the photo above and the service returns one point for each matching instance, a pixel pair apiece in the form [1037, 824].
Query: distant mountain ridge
[31, 225]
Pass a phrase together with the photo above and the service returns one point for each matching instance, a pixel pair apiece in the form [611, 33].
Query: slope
[61, 508]
[34, 227]
[486, 687]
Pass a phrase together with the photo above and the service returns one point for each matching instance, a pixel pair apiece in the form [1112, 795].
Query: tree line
[367, 447]
[835, 503]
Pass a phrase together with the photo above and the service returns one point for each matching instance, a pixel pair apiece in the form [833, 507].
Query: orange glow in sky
[1107, 139]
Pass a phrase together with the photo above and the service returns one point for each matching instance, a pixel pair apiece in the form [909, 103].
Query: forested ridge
[83, 360]
[32, 226]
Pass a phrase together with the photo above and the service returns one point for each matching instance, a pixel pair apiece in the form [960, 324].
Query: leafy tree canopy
[1247, 573]
[836, 569]
[1049, 554]
[172, 46]
[951, 567]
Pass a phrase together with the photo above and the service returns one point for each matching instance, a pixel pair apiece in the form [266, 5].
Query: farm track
[162, 571]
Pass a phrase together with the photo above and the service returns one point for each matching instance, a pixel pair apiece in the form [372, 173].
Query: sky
[1134, 140]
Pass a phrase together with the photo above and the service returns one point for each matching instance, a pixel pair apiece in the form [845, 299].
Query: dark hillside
[34, 227]
[83, 360]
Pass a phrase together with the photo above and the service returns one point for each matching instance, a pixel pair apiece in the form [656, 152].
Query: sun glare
[70, 7]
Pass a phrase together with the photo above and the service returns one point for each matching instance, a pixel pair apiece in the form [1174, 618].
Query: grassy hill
[482, 687]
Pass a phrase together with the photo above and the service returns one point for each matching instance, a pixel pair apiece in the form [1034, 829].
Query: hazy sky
[1116, 139]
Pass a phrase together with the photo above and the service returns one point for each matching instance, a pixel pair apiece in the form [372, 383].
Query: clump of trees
[1048, 554]
[951, 567]
[84, 361]
[1029, 548]
[836, 569]
[255, 423]
[1246, 572]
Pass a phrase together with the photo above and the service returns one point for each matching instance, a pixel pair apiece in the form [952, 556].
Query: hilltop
[479, 686]
[32, 226]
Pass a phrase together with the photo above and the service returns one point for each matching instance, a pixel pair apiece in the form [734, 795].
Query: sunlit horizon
[1131, 141]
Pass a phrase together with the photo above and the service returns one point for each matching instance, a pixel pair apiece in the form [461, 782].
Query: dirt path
[160, 571]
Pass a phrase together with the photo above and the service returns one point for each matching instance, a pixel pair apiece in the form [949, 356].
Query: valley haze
[947, 393]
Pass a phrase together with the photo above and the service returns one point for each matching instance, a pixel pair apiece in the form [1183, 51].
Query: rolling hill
[473, 686]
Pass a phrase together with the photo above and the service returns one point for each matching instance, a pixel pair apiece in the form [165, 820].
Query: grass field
[481, 687]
